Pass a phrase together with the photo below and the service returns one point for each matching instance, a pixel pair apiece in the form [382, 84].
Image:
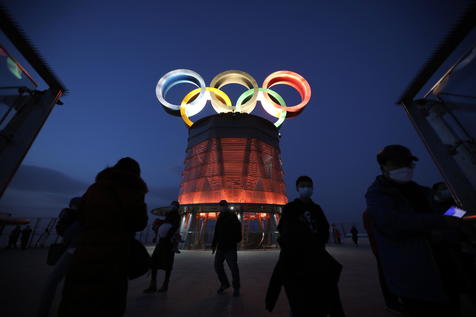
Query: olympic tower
[232, 155]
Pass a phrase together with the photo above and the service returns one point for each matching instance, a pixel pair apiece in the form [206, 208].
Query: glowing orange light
[239, 170]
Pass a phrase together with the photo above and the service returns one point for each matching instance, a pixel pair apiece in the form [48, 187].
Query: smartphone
[455, 212]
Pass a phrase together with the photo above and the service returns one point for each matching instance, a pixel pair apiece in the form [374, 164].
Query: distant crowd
[23, 235]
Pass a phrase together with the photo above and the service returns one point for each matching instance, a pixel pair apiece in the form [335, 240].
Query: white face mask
[401, 175]
[305, 192]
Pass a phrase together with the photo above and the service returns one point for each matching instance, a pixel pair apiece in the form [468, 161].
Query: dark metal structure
[435, 116]
[28, 108]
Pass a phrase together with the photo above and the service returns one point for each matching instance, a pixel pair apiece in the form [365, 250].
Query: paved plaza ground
[192, 291]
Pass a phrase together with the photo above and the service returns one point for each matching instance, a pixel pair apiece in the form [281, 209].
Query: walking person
[307, 271]
[69, 228]
[25, 236]
[225, 239]
[164, 252]
[334, 233]
[338, 236]
[402, 222]
[355, 235]
[112, 210]
[13, 238]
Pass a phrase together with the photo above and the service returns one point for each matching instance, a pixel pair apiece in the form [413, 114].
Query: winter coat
[112, 210]
[297, 241]
[402, 237]
[227, 231]
[305, 269]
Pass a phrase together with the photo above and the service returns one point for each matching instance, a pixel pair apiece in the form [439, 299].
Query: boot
[164, 287]
[152, 288]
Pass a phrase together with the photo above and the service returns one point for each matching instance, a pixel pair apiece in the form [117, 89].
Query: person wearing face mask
[307, 271]
[403, 219]
[442, 197]
[225, 239]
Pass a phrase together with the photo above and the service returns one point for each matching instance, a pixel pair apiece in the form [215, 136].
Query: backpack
[66, 218]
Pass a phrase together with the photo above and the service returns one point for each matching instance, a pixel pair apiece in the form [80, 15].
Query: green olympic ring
[250, 92]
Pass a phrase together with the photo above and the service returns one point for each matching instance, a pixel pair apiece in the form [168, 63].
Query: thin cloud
[42, 179]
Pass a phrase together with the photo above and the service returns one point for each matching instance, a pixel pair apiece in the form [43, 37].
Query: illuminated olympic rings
[195, 101]
[278, 113]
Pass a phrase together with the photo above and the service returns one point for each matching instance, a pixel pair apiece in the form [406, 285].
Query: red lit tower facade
[232, 156]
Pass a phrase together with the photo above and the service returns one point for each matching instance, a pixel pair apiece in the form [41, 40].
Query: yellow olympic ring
[223, 97]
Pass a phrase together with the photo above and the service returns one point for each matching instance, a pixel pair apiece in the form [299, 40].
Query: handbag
[55, 251]
[138, 261]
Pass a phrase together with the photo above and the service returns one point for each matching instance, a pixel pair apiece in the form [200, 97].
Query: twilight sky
[358, 57]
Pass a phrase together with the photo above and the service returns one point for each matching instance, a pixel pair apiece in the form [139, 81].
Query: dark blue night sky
[358, 57]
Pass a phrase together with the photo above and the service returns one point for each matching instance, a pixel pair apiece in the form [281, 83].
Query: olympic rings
[180, 76]
[280, 114]
[291, 79]
[195, 101]
[208, 96]
[235, 77]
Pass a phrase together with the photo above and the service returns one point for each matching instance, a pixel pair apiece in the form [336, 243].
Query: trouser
[153, 278]
[55, 277]
[12, 243]
[231, 257]
[24, 243]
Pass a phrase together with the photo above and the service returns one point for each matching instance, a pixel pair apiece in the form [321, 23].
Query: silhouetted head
[175, 204]
[304, 186]
[128, 164]
[441, 192]
[396, 163]
[223, 206]
[75, 202]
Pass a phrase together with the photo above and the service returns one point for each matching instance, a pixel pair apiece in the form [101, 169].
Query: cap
[395, 152]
